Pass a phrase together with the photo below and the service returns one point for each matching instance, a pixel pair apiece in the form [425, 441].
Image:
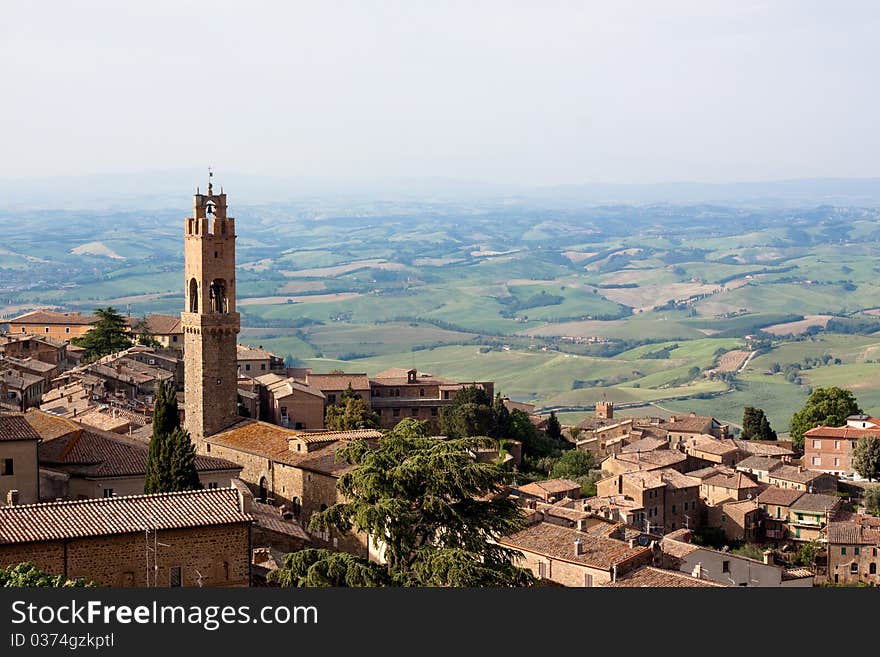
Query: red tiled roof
[735, 481]
[95, 453]
[164, 324]
[649, 576]
[847, 432]
[52, 317]
[852, 533]
[779, 496]
[558, 542]
[339, 381]
[550, 486]
[15, 427]
[119, 515]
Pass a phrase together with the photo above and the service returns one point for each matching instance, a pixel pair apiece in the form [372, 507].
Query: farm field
[558, 305]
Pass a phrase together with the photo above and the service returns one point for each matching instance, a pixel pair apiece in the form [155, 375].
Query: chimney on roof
[768, 556]
[582, 524]
[12, 497]
[697, 571]
[632, 543]
[578, 547]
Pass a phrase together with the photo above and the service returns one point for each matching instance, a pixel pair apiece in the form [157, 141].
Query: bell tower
[210, 323]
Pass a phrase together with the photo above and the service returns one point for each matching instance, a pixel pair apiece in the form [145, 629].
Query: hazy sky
[522, 92]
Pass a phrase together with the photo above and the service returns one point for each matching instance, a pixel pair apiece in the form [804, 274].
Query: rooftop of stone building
[649, 576]
[120, 515]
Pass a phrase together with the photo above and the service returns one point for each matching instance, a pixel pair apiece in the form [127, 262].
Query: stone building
[52, 324]
[296, 469]
[210, 322]
[19, 478]
[200, 538]
[853, 543]
[290, 403]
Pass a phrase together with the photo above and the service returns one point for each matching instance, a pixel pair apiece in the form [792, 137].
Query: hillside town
[678, 500]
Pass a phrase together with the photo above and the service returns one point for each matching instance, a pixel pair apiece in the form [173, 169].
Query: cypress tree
[171, 458]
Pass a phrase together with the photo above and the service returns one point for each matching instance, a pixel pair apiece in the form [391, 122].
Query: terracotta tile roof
[733, 481]
[15, 427]
[846, 432]
[164, 324]
[779, 496]
[647, 444]
[763, 463]
[711, 445]
[550, 486]
[673, 545]
[558, 542]
[691, 424]
[50, 426]
[711, 471]
[52, 317]
[793, 473]
[287, 386]
[797, 573]
[119, 515]
[269, 517]
[816, 502]
[19, 380]
[94, 453]
[759, 448]
[739, 508]
[658, 458]
[599, 504]
[272, 441]
[335, 436]
[323, 382]
[852, 533]
[246, 352]
[661, 477]
[649, 576]
[398, 376]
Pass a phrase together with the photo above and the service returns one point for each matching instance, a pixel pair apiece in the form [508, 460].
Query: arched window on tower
[193, 296]
[219, 300]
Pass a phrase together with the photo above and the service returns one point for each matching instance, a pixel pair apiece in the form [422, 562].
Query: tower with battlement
[210, 322]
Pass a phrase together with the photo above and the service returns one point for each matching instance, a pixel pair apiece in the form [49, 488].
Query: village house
[398, 393]
[616, 508]
[852, 549]
[333, 385]
[776, 504]
[727, 485]
[777, 449]
[164, 329]
[204, 539]
[799, 478]
[678, 553]
[19, 391]
[739, 519]
[644, 461]
[758, 466]
[81, 462]
[551, 490]
[829, 449]
[37, 347]
[46, 371]
[707, 450]
[682, 428]
[665, 498]
[290, 403]
[296, 469]
[52, 324]
[254, 361]
[809, 514]
[570, 557]
[19, 472]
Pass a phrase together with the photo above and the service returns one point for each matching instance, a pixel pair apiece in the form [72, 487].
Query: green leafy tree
[171, 455]
[756, 426]
[871, 500]
[866, 457]
[572, 464]
[145, 335]
[434, 508]
[501, 419]
[470, 414]
[808, 554]
[554, 429]
[825, 406]
[321, 568]
[108, 335]
[350, 413]
[27, 575]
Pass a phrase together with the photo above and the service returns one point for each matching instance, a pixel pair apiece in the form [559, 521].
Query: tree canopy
[470, 414]
[171, 458]
[825, 406]
[434, 509]
[349, 413]
[27, 575]
[756, 426]
[107, 335]
[866, 457]
[554, 428]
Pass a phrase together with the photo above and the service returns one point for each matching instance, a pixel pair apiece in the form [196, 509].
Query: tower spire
[210, 176]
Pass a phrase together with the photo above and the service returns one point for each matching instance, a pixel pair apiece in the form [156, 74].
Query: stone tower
[604, 410]
[210, 323]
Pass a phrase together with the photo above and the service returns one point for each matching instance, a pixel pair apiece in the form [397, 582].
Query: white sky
[520, 92]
